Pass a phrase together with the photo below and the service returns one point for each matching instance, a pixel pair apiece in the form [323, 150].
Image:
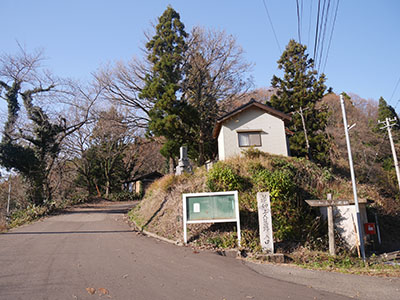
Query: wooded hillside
[66, 141]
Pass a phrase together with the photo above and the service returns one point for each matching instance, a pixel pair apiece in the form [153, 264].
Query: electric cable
[394, 90]
[272, 26]
[330, 38]
[323, 36]
[309, 23]
[316, 32]
[298, 21]
[320, 33]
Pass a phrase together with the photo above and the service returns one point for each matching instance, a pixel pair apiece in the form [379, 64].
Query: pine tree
[300, 90]
[170, 117]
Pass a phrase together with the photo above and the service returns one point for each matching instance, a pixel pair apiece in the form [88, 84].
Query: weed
[224, 178]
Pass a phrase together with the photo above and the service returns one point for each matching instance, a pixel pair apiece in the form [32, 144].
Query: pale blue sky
[78, 36]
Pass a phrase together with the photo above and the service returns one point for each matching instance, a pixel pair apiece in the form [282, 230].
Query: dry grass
[161, 209]
[344, 263]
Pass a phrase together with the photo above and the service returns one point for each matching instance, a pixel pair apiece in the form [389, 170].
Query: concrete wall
[344, 216]
[273, 136]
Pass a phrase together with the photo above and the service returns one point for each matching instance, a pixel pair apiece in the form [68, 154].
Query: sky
[80, 36]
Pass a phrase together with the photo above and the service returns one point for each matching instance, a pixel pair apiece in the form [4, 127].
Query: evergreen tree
[170, 116]
[387, 111]
[300, 90]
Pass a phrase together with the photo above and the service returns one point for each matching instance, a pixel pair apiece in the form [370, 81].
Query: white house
[252, 125]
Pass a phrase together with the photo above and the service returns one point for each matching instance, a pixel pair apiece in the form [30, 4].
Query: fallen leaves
[101, 291]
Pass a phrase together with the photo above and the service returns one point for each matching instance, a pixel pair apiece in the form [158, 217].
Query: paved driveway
[90, 253]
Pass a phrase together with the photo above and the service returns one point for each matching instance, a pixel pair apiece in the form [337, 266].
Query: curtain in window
[244, 139]
[249, 139]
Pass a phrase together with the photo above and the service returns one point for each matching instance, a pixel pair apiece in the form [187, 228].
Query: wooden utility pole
[388, 124]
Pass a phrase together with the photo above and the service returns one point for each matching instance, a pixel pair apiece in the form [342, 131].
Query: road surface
[91, 253]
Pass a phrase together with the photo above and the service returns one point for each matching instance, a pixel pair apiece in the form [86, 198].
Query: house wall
[273, 136]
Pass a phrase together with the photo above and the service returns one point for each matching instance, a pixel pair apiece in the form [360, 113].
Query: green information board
[215, 207]
[211, 207]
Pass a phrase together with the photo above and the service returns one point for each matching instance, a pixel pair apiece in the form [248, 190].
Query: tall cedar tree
[387, 111]
[301, 88]
[170, 117]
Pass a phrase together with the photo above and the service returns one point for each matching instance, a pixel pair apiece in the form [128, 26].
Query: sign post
[219, 207]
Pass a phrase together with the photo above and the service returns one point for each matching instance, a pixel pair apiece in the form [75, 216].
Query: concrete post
[331, 228]
[353, 179]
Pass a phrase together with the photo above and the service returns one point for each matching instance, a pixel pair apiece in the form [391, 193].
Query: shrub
[282, 189]
[224, 178]
[252, 153]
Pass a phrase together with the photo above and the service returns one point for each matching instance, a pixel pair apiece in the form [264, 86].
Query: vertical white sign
[265, 222]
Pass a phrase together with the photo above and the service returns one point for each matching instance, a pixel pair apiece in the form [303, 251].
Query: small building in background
[139, 184]
[252, 125]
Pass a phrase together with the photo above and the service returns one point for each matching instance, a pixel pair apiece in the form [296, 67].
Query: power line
[330, 39]
[298, 21]
[321, 25]
[394, 90]
[272, 26]
[323, 35]
[309, 22]
[316, 31]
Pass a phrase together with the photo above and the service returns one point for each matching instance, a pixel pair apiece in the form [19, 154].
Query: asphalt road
[91, 253]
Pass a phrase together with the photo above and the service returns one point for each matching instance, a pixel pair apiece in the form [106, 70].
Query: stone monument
[265, 222]
[183, 164]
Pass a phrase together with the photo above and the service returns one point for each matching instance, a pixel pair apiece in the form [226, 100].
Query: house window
[248, 139]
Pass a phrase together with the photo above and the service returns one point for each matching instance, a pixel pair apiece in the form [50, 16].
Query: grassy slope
[161, 209]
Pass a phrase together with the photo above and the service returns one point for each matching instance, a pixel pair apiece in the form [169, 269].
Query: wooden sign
[325, 203]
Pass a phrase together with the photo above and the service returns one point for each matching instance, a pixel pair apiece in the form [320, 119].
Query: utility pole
[388, 124]
[9, 196]
[300, 112]
[353, 178]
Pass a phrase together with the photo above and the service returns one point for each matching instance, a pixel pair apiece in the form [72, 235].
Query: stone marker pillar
[183, 164]
[265, 222]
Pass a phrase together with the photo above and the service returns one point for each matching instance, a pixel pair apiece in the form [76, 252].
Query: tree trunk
[201, 158]
[172, 165]
[107, 188]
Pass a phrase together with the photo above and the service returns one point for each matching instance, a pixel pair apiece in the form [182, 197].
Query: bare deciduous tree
[215, 72]
[33, 149]
[122, 85]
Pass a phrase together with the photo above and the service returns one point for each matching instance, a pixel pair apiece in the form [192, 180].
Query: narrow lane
[93, 250]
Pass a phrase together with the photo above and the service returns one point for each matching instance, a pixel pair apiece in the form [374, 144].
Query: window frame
[248, 132]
